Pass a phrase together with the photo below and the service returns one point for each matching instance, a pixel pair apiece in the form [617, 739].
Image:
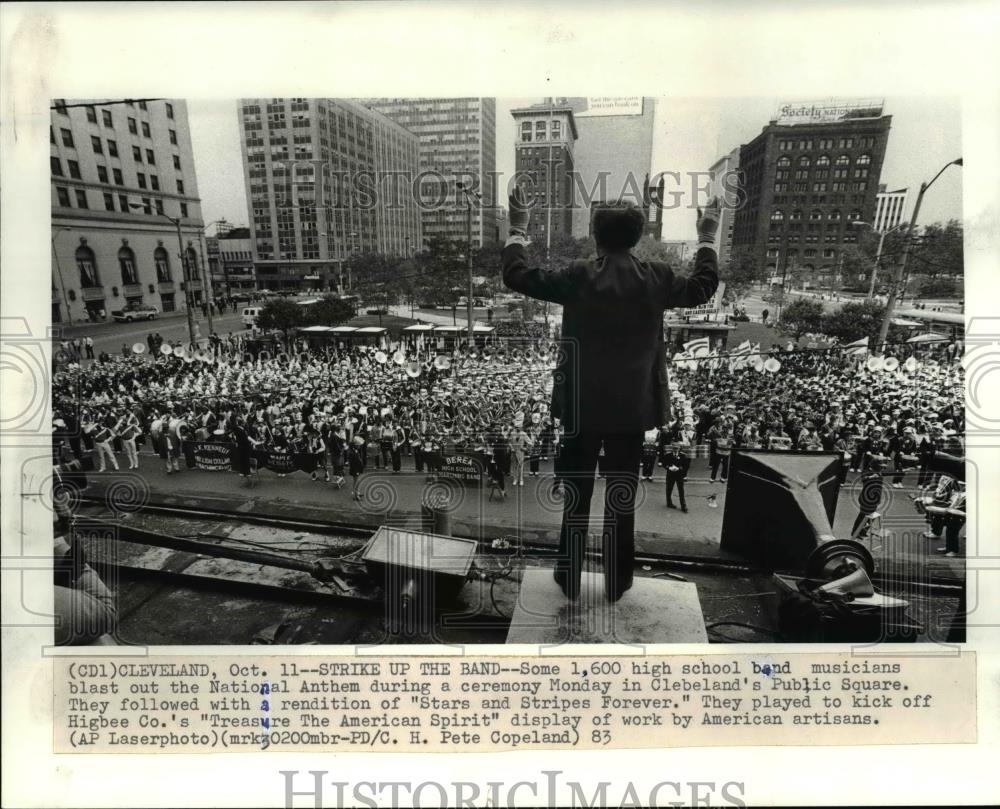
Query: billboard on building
[829, 111]
[600, 106]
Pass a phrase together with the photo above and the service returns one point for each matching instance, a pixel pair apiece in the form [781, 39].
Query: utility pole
[468, 263]
[187, 280]
[62, 282]
[897, 277]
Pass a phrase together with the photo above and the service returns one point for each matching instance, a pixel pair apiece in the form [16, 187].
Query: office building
[122, 174]
[613, 156]
[889, 206]
[545, 135]
[326, 179]
[230, 260]
[806, 178]
[724, 179]
[457, 144]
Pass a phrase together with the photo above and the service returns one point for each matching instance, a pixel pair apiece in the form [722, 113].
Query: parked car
[382, 311]
[135, 311]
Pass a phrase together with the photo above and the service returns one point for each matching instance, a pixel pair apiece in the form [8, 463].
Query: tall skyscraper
[543, 160]
[326, 178]
[105, 158]
[889, 207]
[810, 173]
[613, 156]
[457, 144]
[724, 181]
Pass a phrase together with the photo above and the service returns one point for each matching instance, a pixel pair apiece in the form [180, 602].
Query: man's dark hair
[617, 225]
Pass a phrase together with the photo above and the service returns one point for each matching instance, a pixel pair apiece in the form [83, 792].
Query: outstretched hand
[518, 210]
[708, 221]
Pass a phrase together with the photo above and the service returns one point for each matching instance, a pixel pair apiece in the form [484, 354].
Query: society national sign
[824, 112]
[612, 105]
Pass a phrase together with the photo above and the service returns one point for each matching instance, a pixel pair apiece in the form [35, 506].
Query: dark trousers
[675, 480]
[716, 462]
[418, 458]
[620, 465]
[648, 463]
[397, 458]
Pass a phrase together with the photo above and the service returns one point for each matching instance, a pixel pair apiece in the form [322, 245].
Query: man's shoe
[671, 505]
[684, 509]
[614, 594]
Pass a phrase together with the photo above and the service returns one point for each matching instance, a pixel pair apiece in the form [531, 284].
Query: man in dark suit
[677, 463]
[610, 381]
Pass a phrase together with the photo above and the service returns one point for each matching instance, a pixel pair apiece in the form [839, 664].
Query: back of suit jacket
[611, 376]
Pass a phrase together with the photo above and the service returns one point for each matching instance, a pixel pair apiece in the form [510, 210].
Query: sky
[689, 135]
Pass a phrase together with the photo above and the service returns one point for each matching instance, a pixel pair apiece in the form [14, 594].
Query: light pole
[878, 252]
[890, 304]
[192, 334]
[62, 282]
[350, 254]
[469, 194]
[225, 275]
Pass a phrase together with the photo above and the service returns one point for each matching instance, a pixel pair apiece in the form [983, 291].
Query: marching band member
[129, 430]
[103, 434]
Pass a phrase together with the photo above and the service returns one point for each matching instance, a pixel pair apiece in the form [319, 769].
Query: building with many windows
[325, 178]
[544, 165]
[810, 173]
[230, 260]
[122, 177]
[889, 207]
[724, 179]
[457, 144]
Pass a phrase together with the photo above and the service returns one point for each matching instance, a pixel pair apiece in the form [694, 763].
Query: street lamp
[62, 282]
[890, 304]
[225, 275]
[184, 269]
[878, 253]
[469, 195]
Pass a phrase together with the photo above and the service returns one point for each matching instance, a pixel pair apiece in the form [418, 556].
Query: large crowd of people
[361, 407]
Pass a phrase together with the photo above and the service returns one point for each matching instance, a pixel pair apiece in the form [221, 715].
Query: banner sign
[214, 456]
[465, 467]
[601, 106]
[824, 112]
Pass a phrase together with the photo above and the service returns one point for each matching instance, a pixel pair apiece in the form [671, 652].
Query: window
[142, 179]
[834, 215]
[180, 186]
[819, 187]
[780, 188]
[63, 195]
[86, 265]
[126, 263]
[184, 209]
[854, 216]
[145, 130]
[74, 169]
[173, 136]
[777, 215]
[132, 127]
[170, 110]
[60, 105]
[154, 182]
[150, 157]
[92, 115]
[81, 198]
[95, 142]
[113, 148]
[557, 129]
[177, 162]
[55, 164]
[106, 117]
[159, 206]
[67, 138]
[784, 161]
[822, 160]
[864, 160]
[526, 132]
[162, 263]
[52, 135]
[804, 161]
[843, 160]
[117, 173]
[815, 215]
[540, 130]
[109, 202]
[123, 203]
[147, 206]
[137, 154]
[102, 174]
[861, 173]
[796, 215]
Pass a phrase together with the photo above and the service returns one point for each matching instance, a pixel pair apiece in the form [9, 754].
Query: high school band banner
[220, 456]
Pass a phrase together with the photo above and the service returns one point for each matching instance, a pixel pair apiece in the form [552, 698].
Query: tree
[650, 249]
[939, 251]
[329, 311]
[854, 320]
[741, 272]
[281, 313]
[801, 317]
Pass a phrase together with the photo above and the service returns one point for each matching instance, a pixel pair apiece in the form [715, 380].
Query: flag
[739, 356]
[858, 347]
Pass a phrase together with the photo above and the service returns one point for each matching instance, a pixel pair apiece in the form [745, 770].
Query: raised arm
[698, 288]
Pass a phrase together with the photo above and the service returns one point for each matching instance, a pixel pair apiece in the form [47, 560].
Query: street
[110, 336]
